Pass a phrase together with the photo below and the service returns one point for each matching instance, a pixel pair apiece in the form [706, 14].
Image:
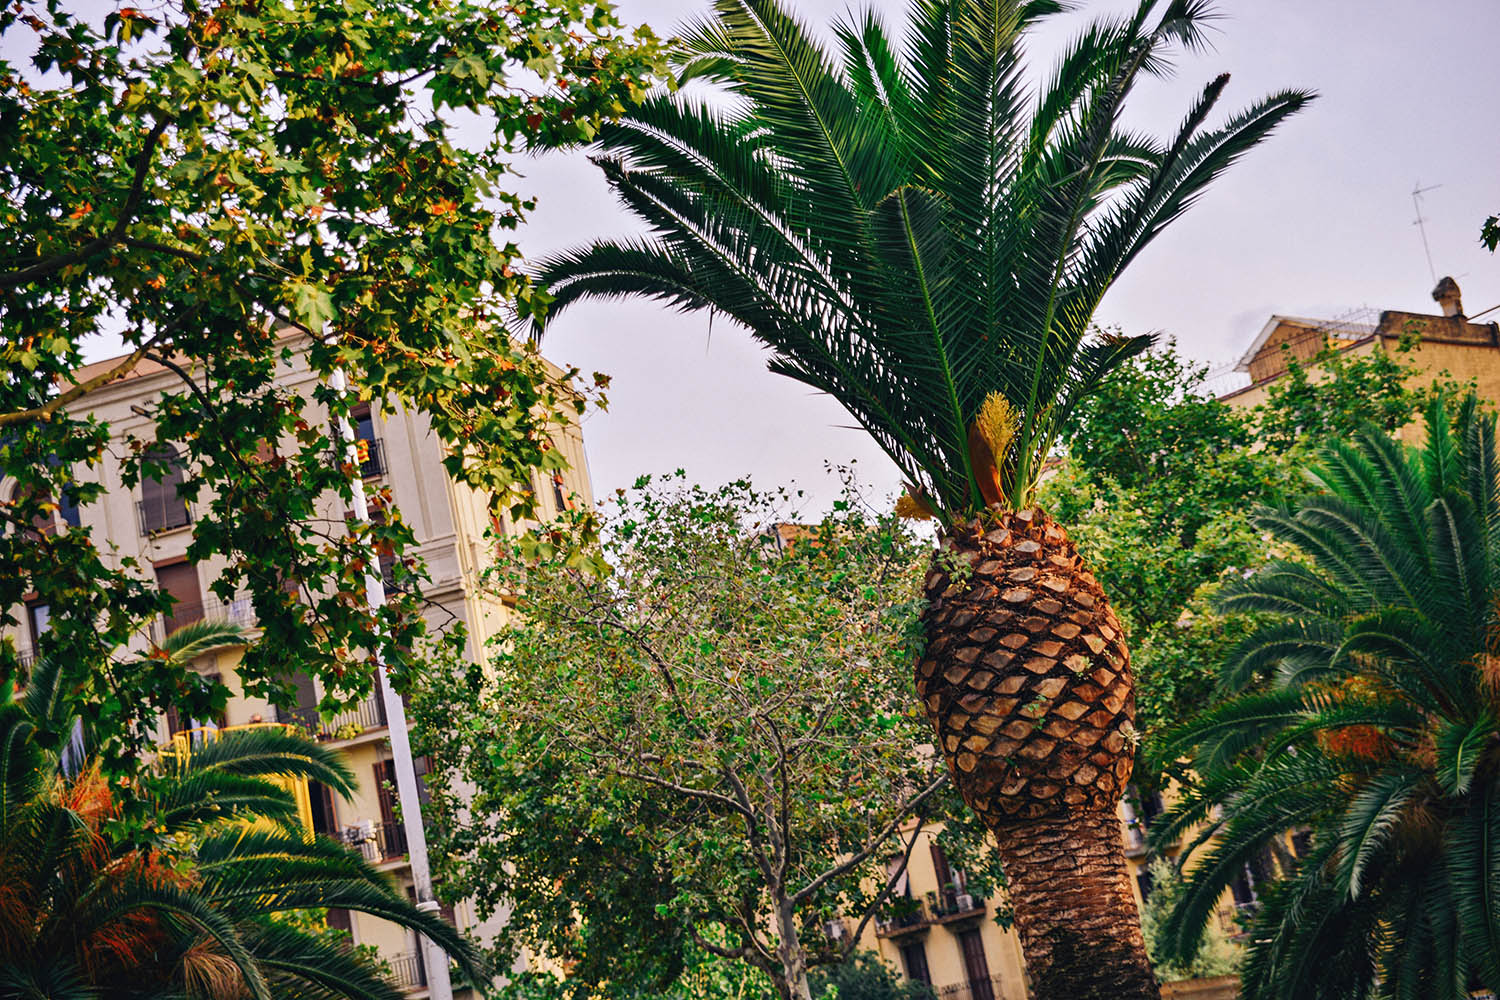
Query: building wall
[940, 937]
[449, 522]
[1447, 347]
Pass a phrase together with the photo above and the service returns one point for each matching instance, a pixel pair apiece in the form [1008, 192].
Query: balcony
[158, 517]
[905, 916]
[953, 905]
[976, 989]
[368, 714]
[376, 842]
[371, 452]
[407, 970]
[237, 612]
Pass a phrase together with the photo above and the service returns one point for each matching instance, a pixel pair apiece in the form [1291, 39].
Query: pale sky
[1316, 222]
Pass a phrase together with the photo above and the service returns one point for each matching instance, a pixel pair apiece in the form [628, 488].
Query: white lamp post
[435, 959]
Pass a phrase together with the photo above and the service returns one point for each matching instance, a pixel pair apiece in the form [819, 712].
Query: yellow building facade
[1447, 344]
[450, 522]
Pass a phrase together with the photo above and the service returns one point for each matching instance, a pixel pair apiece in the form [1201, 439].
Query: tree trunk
[1027, 681]
[793, 958]
[1074, 908]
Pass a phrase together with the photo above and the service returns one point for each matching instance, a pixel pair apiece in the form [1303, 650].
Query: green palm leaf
[1365, 714]
[905, 227]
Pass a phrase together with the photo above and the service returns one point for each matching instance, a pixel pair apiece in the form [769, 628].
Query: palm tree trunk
[1027, 680]
[1074, 908]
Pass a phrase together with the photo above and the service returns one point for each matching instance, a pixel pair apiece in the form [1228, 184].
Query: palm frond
[907, 229]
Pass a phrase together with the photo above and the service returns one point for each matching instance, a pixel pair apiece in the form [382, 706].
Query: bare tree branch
[885, 892]
[859, 857]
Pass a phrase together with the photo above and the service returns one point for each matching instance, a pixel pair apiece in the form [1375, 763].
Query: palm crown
[1372, 722]
[211, 900]
[914, 234]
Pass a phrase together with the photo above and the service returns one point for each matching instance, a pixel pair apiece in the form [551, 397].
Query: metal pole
[435, 959]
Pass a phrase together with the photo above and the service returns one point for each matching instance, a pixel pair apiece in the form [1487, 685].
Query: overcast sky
[1316, 222]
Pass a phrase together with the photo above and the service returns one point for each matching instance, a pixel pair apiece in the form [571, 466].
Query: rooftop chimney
[1446, 295]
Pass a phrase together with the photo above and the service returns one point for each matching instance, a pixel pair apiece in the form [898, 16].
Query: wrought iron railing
[376, 841]
[903, 915]
[368, 714]
[372, 457]
[371, 452]
[953, 901]
[237, 612]
[163, 516]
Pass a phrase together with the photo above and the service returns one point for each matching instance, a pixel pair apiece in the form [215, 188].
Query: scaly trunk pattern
[1026, 678]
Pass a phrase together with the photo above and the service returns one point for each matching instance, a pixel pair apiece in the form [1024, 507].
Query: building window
[38, 618]
[42, 522]
[180, 580]
[65, 505]
[177, 722]
[1144, 883]
[162, 505]
[391, 837]
[371, 458]
[976, 966]
[324, 816]
[559, 498]
[914, 958]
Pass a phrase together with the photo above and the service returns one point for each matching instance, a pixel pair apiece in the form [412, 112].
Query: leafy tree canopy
[225, 186]
[713, 747]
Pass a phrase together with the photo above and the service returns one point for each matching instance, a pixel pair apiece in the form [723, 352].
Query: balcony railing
[237, 612]
[953, 903]
[162, 516]
[974, 989]
[903, 917]
[371, 457]
[376, 841]
[408, 971]
[368, 714]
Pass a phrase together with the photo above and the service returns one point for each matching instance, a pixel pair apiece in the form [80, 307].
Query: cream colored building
[1448, 342]
[939, 933]
[449, 522]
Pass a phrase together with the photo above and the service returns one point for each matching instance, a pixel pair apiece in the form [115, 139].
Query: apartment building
[153, 524]
[1448, 341]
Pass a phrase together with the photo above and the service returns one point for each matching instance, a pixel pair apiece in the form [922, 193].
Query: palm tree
[918, 236]
[1370, 724]
[204, 903]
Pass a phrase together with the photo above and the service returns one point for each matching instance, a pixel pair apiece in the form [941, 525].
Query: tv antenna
[1417, 191]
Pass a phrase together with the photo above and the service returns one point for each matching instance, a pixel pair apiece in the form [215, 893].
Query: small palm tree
[197, 906]
[1371, 724]
[918, 236]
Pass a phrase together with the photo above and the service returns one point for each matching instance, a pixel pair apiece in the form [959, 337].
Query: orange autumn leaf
[81, 211]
